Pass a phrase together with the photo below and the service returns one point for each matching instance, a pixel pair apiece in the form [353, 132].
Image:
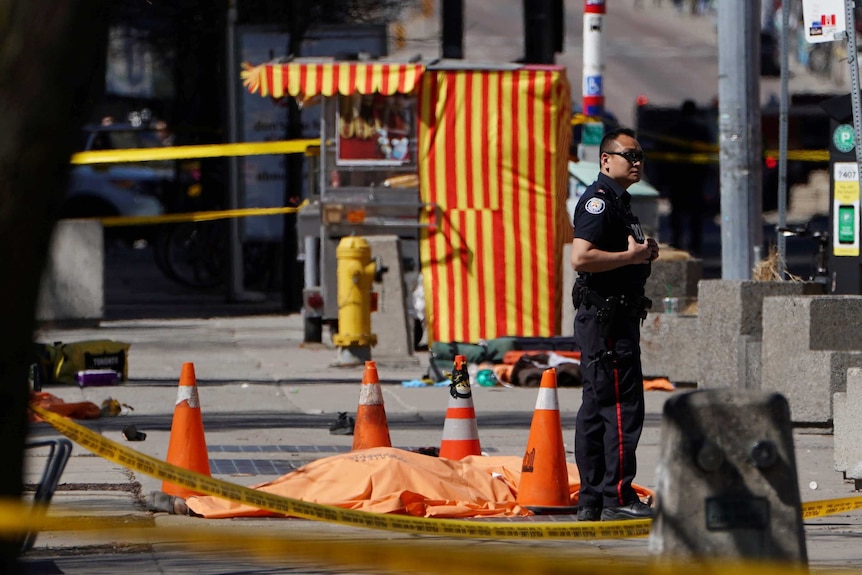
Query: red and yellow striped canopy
[493, 151]
[307, 80]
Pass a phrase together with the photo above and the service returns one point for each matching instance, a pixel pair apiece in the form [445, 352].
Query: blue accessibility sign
[593, 86]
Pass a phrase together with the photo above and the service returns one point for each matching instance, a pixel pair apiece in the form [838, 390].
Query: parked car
[122, 189]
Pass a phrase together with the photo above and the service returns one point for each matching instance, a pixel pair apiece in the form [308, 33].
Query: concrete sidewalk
[264, 348]
[261, 389]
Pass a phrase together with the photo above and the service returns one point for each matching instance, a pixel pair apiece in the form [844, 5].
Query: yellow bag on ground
[70, 358]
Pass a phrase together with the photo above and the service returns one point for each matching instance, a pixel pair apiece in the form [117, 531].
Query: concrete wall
[847, 410]
[730, 328]
[391, 323]
[72, 288]
[673, 277]
[784, 337]
[808, 345]
[668, 347]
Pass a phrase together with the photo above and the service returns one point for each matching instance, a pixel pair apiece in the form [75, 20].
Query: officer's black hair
[612, 135]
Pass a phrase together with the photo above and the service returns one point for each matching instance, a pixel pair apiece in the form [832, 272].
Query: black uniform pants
[610, 420]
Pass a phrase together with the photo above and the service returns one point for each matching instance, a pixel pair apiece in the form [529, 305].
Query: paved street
[260, 389]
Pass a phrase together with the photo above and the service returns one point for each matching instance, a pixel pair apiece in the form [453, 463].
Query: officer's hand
[640, 253]
[654, 247]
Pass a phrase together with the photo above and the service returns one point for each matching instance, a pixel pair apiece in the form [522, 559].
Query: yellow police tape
[119, 221]
[192, 152]
[711, 158]
[449, 527]
[703, 152]
[227, 544]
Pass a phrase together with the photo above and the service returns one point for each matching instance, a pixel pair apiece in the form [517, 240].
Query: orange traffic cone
[370, 429]
[544, 485]
[460, 433]
[187, 447]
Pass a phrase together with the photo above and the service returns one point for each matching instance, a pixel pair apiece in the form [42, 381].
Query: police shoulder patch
[595, 205]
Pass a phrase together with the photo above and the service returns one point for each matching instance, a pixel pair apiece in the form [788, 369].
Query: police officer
[612, 257]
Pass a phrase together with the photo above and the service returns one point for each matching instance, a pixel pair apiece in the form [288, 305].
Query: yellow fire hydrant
[356, 271]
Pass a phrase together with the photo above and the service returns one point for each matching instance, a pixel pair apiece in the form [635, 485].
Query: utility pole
[855, 98]
[739, 136]
[594, 60]
[593, 103]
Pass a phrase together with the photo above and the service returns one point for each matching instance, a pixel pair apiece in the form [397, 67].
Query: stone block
[72, 288]
[669, 347]
[749, 353]
[673, 277]
[847, 431]
[800, 360]
[727, 482]
[728, 310]
[391, 323]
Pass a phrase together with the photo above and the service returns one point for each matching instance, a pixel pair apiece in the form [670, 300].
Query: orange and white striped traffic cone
[370, 429]
[544, 484]
[187, 447]
[460, 432]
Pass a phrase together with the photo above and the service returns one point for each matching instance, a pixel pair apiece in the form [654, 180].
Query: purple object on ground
[95, 377]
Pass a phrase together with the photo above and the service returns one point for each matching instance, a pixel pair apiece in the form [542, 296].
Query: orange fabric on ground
[390, 480]
[78, 410]
[659, 384]
[513, 355]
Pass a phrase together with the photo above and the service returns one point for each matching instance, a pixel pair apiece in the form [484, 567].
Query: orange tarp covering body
[493, 148]
[493, 153]
[391, 480]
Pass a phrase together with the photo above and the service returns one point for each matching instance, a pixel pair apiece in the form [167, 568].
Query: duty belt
[635, 306]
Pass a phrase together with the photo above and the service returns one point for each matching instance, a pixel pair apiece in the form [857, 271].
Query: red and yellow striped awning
[493, 152]
[307, 80]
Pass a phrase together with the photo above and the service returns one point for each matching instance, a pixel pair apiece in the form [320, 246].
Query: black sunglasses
[631, 157]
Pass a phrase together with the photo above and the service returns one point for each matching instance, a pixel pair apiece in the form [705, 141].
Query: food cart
[466, 164]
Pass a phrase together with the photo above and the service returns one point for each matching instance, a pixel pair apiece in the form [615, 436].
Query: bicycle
[195, 254]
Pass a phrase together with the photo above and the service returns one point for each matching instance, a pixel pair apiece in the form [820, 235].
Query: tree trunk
[48, 49]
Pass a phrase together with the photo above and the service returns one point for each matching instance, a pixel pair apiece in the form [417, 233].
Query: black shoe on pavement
[589, 513]
[634, 510]
[343, 425]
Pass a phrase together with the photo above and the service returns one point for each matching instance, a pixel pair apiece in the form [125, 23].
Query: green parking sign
[843, 139]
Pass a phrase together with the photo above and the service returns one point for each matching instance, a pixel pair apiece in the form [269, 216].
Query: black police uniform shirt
[603, 218]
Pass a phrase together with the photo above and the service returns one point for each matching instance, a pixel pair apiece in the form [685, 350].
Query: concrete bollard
[726, 482]
[847, 430]
[72, 290]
